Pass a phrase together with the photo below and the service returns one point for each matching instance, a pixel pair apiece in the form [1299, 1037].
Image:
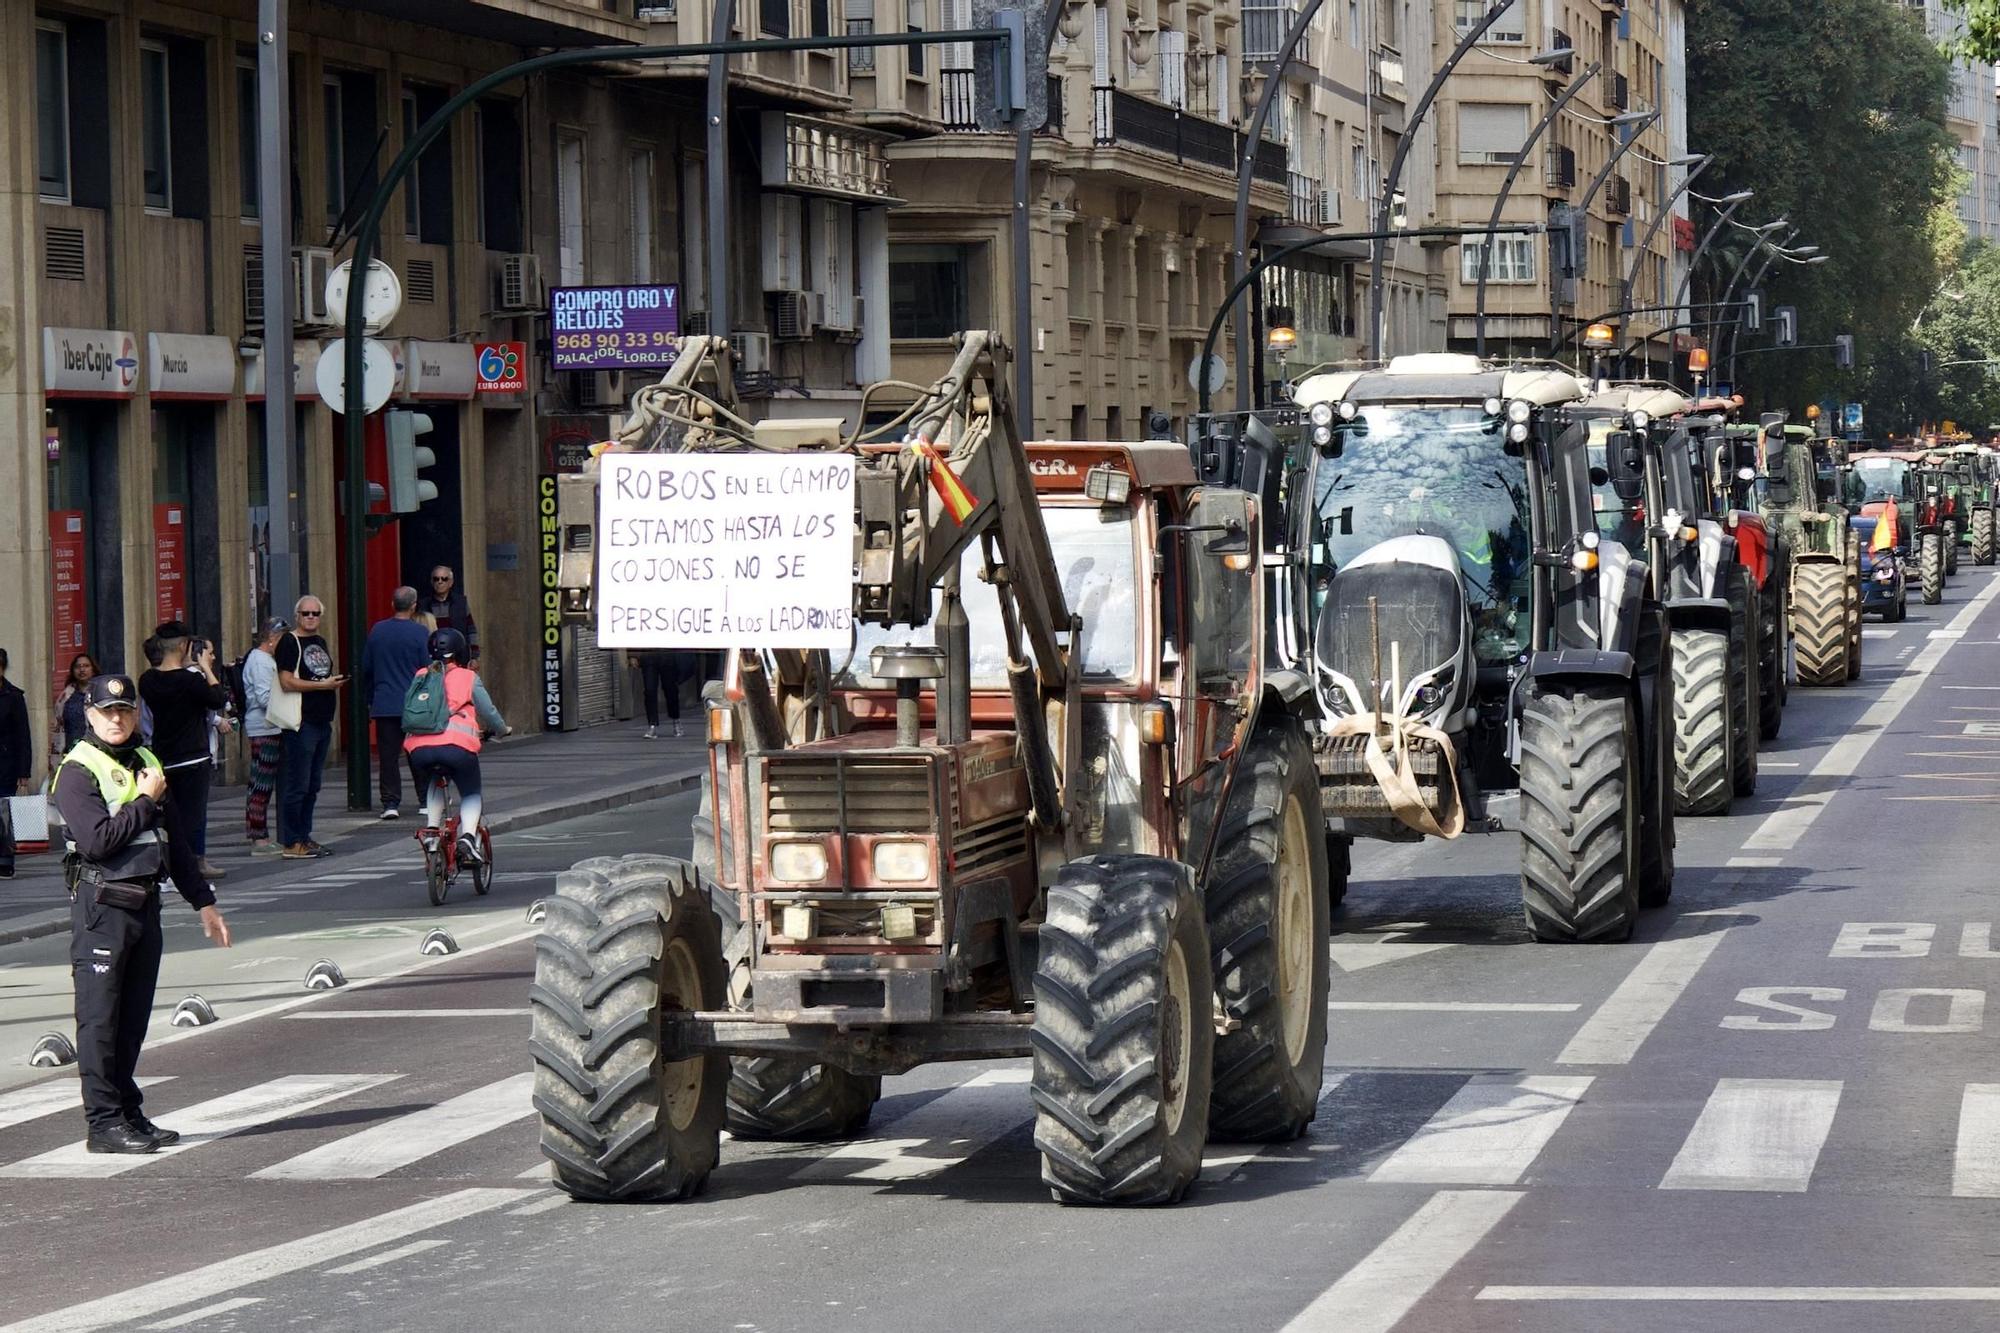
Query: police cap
[113, 692]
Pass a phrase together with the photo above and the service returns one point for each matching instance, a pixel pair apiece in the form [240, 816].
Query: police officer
[111, 793]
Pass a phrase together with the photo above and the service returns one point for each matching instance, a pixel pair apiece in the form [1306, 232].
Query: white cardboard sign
[725, 551]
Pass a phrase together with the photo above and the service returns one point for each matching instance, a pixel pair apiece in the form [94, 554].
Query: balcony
[1620, 92]
[1561, 41]
[1308, 200]
[860, 59]
[1562, 168]
[1621, 196]
[1119, 119]
[1386, 74]
[1264, 29]
[958, 104]
[518, 22]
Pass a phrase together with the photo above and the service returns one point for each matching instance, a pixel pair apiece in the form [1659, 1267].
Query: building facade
[1972, 110]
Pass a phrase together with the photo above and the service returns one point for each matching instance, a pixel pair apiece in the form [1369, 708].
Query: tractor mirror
[1623, 461]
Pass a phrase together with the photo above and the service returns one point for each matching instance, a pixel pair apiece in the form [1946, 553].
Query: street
[1774, 1103]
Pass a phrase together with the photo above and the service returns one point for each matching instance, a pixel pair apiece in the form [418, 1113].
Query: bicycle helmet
[447, 645]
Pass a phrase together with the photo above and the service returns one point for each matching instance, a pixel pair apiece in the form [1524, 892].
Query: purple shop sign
[611, 328]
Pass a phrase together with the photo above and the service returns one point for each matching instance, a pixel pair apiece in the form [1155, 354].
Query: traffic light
[1924, 363]
[1843, 351]
[1753, 313]
[1785, 320]
[407, 490]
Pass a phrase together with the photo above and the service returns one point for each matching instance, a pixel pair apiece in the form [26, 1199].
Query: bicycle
[441, 863]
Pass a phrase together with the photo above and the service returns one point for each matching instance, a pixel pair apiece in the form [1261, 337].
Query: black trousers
[661, 671]
[189, 786]
[115, 960]
[389, 761]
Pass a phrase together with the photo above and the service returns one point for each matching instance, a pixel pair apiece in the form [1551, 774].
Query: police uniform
[122, 844]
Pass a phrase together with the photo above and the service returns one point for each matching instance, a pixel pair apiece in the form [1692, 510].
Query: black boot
[152, 1131]
[121, 1139]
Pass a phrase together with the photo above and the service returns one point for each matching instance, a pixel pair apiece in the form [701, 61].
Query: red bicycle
[441, 863]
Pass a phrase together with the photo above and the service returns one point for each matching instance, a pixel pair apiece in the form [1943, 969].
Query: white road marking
[1350, 957]
[1218, 1167]
[1749, 861]
[939, 1134]
[1775, 763]
[1375, 1294]
[394, 1144]
[1451, 1007]
[548, 1204]
[1810, 1295]
[411, 1013]
[243, 1270]
[1613, 1034]
[1878, 634]
[1975, 1162]
[1946, 634]
[1488, 1134]
[1971, 687]
[1756, 1134]
[206, 1312]
[391, 1256]
[204, 1123]
[39, 1099]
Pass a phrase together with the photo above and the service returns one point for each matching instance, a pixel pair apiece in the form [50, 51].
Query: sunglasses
[308, 615]
[445, 579]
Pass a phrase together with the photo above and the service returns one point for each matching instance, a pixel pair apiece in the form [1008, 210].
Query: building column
[871, 267]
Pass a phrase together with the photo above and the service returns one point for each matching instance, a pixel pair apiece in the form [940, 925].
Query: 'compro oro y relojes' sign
[725, 551]
[610, 328]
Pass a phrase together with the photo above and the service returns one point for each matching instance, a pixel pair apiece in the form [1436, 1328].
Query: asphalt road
[1776, 1109]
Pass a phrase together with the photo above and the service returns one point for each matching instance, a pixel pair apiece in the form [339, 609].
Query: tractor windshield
[1093, 548]
[1877, 479]
[1615, 519]
[1443, 472]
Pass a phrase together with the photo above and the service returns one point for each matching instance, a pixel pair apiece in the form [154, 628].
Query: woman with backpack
[444, 713]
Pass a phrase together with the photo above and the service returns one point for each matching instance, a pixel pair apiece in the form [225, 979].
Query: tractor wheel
[1743, 692]
[1266, 905]
[1580, 798]
[1819, 623]
[771, 1096]
[1950, 549]
[1773, 624]
[1854, 635]
[1930, 559]
[627, 943]
[1702, 771]
[1982, 537]
[1124, 1032]
[1656, 825]
[1339, 868]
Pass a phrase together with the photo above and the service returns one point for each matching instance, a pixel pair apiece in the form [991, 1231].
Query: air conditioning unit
[253, 288]
[695, 324]
[600, 389]
[310, 265]
[752, 352]
[1329, 207]
[517, 283]
[795, 315]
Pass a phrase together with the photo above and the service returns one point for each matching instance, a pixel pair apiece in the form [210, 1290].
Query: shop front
[305, 362]
[188, 377]
[88, 379]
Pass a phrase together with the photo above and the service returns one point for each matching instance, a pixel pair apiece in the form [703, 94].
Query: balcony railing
[1307, 194]
[1264, 29]
[860, 59]
[958, 104]
[1120, 118]
[1387, 73]
[1054, 124]
[1560, 41]
[1562, 167]
[1621, 92]
[1621, 195]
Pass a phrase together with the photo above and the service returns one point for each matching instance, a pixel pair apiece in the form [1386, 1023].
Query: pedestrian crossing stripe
[1454, 1129]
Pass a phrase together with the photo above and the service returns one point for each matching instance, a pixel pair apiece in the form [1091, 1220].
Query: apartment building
[1539, 293]
[1972, 110]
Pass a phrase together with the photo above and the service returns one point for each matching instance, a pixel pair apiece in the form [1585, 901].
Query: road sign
[378, 374]
[1218, 374]
[381, 296]
[1850, 417]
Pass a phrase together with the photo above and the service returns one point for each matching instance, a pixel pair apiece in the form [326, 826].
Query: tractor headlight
[1641, 420]
[1322, 435]
[901, 862]
[1885, 572]
[1321, 414]
[1518, 432]
[1494, 407]
[798, 862]
[1348, 411]
[1520, 411]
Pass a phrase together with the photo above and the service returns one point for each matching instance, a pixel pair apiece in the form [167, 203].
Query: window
[1513, 260]
[643, 211]
[929, 290]
[157, 127]
[413, 207]
[1509, 27]
[775, 18]
[248, 165]
[1491, 134]
[331, 137]
[52, 110]
[569, 208]
[916, 52]
[500, 172]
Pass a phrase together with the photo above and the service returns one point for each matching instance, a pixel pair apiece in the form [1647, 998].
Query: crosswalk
[1378, 1127]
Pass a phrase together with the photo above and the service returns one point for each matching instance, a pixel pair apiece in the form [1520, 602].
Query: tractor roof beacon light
[1698, 360]
[1600, 337]
[1281, 340]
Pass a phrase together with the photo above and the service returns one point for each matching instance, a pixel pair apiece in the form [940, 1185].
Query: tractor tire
[1773, 626]
[1266, 905]
[1580, 819]
[1819, 624]
[1982, 537]
[628, 942]
[1930, 560]
[1339, 868]
[1854, 635]
[1743, 690]
[771, 1097]
[1656, 821]
[1951, 550]
[1124, 1032]
[1702, 769]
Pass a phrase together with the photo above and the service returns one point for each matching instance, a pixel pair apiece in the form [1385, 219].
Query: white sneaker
[677, 730]
[652, 733]
[391, 812]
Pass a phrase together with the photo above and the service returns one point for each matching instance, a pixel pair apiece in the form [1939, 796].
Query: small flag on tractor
[958, 501]
[1885, 530]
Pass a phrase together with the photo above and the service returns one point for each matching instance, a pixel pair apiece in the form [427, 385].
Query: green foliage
[1834, 113]
[1962, 323]
[1982, 36]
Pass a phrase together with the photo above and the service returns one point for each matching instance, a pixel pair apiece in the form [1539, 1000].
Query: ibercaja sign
[612, 328]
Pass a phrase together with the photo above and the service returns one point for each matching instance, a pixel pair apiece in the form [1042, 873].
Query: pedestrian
[305, 666]
[66, 728]
[17, 759]
[661, 670]
[125, 831]
[394, 653]
[261, 737]
[447, 609]
[181, 692]
[151, 648]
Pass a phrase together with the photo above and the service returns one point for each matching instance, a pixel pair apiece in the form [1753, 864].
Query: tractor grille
[993, 843]
[1347, 790]
[805, 794]
[1418, 609]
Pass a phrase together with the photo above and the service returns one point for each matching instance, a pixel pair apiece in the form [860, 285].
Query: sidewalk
[529, 781]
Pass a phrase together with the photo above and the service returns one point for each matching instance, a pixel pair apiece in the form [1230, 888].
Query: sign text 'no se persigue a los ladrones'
[725, 551]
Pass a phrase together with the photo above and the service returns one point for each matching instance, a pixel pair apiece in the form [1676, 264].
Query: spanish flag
[958, 501]
[1885, 530]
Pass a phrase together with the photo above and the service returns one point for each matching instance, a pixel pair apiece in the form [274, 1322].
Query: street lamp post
[1640, 122]
[1507, 187]
[1697, 163]
[1378, 252]
[1763, 239]
[1804, 254]
[1731, 203]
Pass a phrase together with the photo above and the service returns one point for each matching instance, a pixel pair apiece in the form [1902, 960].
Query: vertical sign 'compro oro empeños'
[725, 551]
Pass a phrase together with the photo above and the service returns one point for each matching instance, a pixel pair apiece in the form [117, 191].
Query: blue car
[1883, 588]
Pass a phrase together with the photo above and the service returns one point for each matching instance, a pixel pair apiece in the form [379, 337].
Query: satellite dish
[378, 375]
[381, 295]
[1218, 373]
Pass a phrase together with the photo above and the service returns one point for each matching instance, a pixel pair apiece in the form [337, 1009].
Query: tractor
[1798, 492]
[1983, 523]
[1048, 804]
[1467, 627]
[1879, 488]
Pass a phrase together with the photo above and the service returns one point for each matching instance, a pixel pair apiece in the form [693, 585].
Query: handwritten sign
[610, 328]
[725, 551]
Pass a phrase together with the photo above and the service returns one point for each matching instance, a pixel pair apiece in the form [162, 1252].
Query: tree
[1834, 113]
[1981, 41]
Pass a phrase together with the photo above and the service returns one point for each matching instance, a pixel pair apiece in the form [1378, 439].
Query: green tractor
[1799, 492]
[1984, 521]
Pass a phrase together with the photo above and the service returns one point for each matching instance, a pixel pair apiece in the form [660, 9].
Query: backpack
[426, 710]
[232, 677]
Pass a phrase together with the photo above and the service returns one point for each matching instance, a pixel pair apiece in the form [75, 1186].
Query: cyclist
[453, 754]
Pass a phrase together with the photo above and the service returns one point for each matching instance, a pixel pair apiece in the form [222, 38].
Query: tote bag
[287, 707]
